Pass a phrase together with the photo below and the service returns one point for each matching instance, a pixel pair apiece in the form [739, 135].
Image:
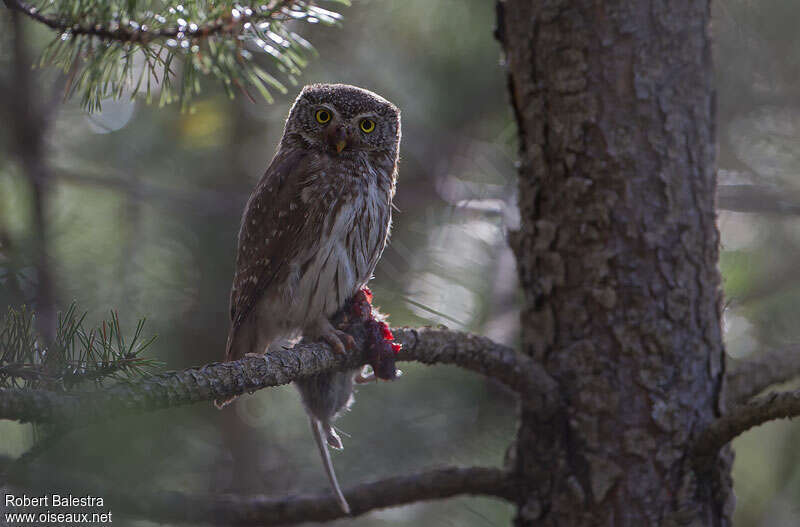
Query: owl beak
[337, 139]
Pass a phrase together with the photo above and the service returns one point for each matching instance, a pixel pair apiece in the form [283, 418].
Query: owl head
[344, 120]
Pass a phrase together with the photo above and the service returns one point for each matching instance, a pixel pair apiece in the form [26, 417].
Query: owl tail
[233, 351]
[323, 435]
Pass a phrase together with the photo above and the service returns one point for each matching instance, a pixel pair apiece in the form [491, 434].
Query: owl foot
[338, 340]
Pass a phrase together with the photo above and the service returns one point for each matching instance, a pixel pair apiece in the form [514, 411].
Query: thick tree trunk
[617, 255]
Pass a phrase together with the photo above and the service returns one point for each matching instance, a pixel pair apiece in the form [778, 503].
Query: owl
[311, 235]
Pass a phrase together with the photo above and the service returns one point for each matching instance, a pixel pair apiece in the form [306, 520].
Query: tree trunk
[617, 254]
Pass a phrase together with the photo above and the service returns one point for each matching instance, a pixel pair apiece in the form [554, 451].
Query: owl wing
[274, 220]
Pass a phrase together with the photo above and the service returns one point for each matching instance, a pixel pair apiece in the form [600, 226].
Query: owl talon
[335, 338]
[349, 341]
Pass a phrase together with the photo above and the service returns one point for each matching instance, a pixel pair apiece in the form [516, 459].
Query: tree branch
[198, 201]
[744, 417]
[265, 510]
[749, 377]
[481, 355]
[229, 509]
[224, 25]
[222, 380]
[762, 199]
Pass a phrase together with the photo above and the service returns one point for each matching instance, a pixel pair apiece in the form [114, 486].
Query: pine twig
[224, 25]
[74, 355]
[96, 44]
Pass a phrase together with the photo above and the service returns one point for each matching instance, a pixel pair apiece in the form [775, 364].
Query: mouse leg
[361, 378]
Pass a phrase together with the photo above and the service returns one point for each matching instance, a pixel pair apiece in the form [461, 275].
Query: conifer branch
[74, 355]
[741, 418]
[223, 380]
[746, 378]
[227, 24]
[223, 509]
[118, 47]
[759, 199]
[263, 510]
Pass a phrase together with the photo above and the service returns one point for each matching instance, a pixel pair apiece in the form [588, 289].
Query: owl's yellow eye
[367, 125]
[322, 116]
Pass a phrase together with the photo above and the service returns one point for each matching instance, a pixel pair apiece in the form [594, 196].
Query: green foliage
[116, 48]
[77, 355]
[736, 268]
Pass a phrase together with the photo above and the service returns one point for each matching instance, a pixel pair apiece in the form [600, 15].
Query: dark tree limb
[762, 199]
[229, 509]
[28, 123]
[744, 417]
[264, 510]
[749, 377]
[224, 25]
[222, 380]
[234, 509]
[481, 355]
[194, 201]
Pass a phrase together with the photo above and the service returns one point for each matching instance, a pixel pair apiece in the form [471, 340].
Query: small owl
[311, 235]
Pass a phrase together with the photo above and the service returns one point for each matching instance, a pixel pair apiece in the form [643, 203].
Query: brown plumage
[311, 235]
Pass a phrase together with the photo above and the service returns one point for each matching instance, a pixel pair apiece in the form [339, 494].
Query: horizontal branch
[762, 199]
[749, 377]
[481, 355]
[229, 509]
[197, 201]
[266, 510]
[744, 417]
[141, 35]
[223, 380]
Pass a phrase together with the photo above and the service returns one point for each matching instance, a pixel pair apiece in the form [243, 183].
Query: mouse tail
[318, 430]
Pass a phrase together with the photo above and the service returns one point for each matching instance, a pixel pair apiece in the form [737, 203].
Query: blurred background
[137, 208]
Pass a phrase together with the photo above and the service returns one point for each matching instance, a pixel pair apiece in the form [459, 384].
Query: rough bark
[617, 254]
